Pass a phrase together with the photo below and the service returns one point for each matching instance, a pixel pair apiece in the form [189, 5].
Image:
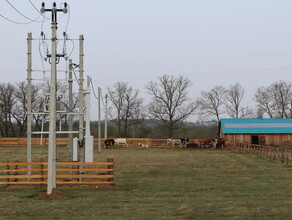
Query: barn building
[263, 131]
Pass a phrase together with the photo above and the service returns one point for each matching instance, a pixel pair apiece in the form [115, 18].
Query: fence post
[78, 172]
[15, 172]
[42, 171]
[110, 172]
[8, 172]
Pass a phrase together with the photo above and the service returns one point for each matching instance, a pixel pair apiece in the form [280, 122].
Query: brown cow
[109, 142]
[218, 142]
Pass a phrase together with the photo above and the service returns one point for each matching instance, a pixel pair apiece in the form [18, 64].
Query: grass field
[162, 184]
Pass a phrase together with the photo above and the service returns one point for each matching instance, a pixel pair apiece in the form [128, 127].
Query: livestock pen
[162, 183]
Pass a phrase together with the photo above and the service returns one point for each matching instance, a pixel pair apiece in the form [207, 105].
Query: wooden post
[15, 172]
[78, 172]
[8, 171]
[42, 171]
[110, 172]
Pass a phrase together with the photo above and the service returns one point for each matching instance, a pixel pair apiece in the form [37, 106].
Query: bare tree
[7, 102]
[233, 101]
[211, 104]
[275, 100]
[20, 108]
[132, 110]
[127, 106]
[170, 103]
[264, 102]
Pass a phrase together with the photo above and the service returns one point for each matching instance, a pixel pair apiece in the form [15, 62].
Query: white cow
[121, 142]
[143, 145]
[172, 142]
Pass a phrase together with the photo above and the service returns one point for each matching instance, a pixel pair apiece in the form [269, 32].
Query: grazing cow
[172, 142]
[205, 142]
[169, 142]
[184, 142]
[197, 142]
[218, 142]
[143, 145]
[109, 142]
[121, 142]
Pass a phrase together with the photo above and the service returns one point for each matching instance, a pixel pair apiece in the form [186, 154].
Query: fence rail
[63, 142]
[30, 173]
[269, 152]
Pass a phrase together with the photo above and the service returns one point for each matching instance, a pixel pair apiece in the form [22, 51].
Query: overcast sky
[209, 41]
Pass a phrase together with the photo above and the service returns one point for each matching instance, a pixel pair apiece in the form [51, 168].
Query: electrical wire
[45, 47]
[200, 73]
[93, 88]
[32, 20]
[73, 46]
[38, 10]
[65, 33]
[15, 22]
[102, 98]
[44, 43]
[69, 13]
[75, 75]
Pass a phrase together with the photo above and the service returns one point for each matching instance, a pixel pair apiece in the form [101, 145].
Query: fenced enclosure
[69, 173]
[269, 152]
[154, 182]
[62, 142]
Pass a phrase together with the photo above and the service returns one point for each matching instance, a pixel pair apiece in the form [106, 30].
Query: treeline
[171, 106]
[165, 116]
[13, 107]
[152, 129]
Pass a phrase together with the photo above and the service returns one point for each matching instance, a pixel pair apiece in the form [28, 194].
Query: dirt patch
[85, 186]
[56, 194]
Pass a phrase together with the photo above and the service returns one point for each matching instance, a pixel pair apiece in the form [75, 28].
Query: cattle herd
[182, 143]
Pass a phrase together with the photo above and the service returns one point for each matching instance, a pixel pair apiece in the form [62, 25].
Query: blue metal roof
[256, 125]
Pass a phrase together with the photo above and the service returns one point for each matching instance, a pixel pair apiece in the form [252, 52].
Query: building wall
[263, 139]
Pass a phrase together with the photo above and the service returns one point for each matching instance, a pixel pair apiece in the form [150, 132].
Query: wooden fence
[73, 173]
[273, 153]
[35, 142]
[62, 142]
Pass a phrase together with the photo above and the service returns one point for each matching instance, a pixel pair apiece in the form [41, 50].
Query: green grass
[163, 184]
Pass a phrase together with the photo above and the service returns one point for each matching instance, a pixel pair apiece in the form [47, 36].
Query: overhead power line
[200, 73]
[93, 88]
[15, 22]
[32, 20]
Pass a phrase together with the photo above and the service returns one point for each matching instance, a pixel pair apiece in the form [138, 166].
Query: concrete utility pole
[99, 126]
[81, 100]
[88, 137]
[70, 106]
[87, 114]
[28, 97]
[105, 118]
[52, 104]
